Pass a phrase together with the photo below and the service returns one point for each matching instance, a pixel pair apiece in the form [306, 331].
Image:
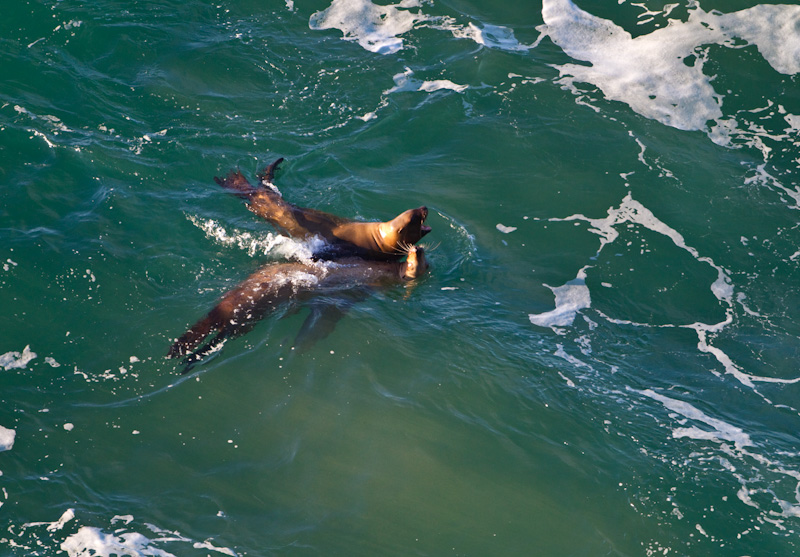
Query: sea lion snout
[424, 229]
[416, 265]
[405, 229]
[417, 222]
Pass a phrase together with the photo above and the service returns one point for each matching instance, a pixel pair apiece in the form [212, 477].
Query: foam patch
[375, 28]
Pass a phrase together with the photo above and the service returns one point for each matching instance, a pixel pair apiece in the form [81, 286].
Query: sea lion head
[406, 229]
[416, 264]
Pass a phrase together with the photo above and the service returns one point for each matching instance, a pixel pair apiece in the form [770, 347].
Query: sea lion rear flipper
[236, 182]
[195, 335]
[211, 346]
[268, 175]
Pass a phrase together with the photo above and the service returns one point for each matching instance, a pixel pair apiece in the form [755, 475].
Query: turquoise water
[601, 361]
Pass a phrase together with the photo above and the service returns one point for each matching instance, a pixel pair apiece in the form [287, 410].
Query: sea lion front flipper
[324, 316]
[268, 175]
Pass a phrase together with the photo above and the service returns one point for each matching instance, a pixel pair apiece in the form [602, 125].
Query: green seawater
[602, 360]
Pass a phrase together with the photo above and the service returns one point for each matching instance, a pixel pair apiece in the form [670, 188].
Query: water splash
[274, 245]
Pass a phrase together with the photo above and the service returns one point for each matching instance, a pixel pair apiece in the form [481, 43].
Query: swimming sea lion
[346, 237]
[274, 283]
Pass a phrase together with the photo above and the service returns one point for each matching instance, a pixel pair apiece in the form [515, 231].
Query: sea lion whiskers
[402, 248]
[430, 247]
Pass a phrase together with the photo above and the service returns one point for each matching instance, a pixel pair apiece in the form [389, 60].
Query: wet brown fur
[372, 240]
[275, 283]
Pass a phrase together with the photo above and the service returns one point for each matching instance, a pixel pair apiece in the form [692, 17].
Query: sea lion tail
[236, 182]
[268, 175]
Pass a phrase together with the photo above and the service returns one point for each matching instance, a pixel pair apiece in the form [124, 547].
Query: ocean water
[602, 360]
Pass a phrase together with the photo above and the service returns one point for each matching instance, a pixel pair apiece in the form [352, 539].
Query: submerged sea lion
[275, 283]
[346, 237]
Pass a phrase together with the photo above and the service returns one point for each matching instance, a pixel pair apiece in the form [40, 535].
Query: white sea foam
[490, 36]
[123, 541]
[633, 212]
[564, 355]
[505, 229]
[67, 25]
[727, 363]
[208, 545]
[570, 299]
[68, 515]
[376, 28]
[55, 125]
[660, 74]
[404, 82]
[720, 430]
[648, 72]
[93, 541]
[747, 465]
[772, 28]
[574, 299]
[379, 28]
[794, 122]
[7, 438]
[16, 360]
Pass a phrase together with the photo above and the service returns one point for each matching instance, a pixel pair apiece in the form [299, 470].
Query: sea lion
[345, 237]
[275, 283]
